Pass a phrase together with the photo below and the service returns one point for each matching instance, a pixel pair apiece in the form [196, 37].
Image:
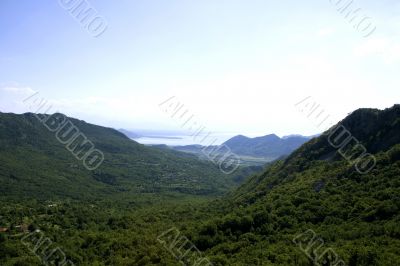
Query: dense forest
[35, 164]
[322, 205]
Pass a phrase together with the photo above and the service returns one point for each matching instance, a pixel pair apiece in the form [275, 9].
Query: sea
[182, 140]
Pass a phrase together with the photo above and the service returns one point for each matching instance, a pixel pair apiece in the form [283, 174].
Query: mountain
[34, 163]
[252, 151]
[267, 146]
[325, 204]
[334, 201]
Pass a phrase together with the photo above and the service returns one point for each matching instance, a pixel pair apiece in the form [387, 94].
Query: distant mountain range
[267, 146]
[254, 151]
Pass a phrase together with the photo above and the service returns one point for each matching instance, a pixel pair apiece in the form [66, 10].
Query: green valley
[116, 215]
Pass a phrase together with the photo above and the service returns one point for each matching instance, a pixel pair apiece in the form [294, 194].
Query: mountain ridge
[265, 146]
[355, 214]
[128, 167]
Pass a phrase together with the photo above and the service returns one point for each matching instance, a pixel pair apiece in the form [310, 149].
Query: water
[213, 139]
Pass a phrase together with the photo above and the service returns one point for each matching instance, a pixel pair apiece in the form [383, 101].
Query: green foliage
[33, 163]
[101, 218]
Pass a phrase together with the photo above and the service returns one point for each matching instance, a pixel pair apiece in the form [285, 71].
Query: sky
[250, 67]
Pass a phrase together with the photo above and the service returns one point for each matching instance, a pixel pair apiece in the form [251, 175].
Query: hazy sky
[237, 66]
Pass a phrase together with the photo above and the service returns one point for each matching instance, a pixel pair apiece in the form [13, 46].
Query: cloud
[23, 91]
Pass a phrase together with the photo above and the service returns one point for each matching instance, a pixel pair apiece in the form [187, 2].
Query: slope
[33, 163]
[352, 213]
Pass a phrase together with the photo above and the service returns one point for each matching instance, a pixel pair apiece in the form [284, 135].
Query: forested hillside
[34, 163]
[322, 205]
[356, 214]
